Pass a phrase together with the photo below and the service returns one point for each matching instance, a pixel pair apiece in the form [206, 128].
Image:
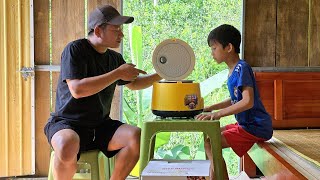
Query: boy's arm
[244, 104]
[219, 105]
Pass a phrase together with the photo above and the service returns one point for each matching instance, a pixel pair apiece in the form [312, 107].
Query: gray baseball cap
[107, 14]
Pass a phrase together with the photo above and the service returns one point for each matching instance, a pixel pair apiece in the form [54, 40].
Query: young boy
[253, 122]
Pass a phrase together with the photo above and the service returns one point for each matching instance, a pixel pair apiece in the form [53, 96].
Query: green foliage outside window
[190, 21]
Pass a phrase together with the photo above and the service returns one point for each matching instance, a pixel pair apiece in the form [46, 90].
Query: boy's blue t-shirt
[256, 120]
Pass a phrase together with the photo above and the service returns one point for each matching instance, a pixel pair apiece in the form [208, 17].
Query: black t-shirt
[80, 60]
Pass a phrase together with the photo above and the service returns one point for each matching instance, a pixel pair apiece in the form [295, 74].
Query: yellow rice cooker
[174, 60]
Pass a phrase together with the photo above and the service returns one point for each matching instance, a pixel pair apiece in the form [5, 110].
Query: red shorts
[239, 140]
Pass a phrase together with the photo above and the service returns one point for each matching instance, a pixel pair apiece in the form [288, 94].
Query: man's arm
[143, 82]
[88, 86]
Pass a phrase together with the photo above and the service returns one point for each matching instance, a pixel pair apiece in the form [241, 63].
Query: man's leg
[126, 138]
[66, 147]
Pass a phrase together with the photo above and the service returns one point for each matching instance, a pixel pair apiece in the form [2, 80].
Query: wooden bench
[276, 161]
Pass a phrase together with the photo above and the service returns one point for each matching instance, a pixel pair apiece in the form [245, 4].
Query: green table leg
[147, 141]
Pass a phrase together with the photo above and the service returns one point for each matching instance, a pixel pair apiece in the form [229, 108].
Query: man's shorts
[240, 140]
[90, 138]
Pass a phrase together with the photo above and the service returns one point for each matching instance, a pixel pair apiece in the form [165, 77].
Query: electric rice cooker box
[176, 170]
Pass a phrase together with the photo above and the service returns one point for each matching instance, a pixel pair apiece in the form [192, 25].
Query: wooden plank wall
[314, 44]
[292, 33]
[67, 24]
[282, 33]
[16, 123]
[42, 84]
[260, 32]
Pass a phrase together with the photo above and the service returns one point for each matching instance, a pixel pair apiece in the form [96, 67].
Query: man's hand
[208, 116]
[128, 72]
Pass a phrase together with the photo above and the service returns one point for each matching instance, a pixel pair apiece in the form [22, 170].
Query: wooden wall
[291, 98]
[16, 123]
[67, 24]
[282, 33]
[281, 38]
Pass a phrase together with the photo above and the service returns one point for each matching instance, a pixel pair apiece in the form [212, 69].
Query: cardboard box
[176, 170]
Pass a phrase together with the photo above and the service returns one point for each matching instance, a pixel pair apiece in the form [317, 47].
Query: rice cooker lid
[173, 59]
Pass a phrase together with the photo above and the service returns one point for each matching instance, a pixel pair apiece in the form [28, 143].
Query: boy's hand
[206, 109]
[207, 116]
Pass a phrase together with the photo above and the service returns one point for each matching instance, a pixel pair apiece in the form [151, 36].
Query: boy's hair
[225, 34]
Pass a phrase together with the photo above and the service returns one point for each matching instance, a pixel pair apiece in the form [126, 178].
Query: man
[89, 74]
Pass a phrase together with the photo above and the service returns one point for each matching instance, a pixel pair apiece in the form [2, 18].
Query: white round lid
[173, 59]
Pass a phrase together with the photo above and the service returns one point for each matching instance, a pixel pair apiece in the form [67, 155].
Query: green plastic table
[209, 128]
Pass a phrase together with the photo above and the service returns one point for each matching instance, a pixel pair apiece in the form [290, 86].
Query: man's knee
[135, 141]
[66, 145]
[135, 135]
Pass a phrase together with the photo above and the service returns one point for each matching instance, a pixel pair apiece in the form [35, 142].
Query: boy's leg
[66, 147]
[207, 147]
[127, 139]
[224, 144]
